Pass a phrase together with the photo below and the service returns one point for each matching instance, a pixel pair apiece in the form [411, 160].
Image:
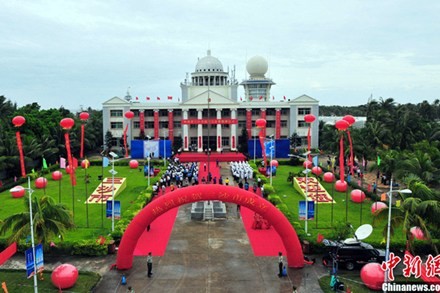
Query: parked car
[351, 253]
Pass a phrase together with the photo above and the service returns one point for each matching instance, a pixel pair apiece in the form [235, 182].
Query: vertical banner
[109, 209]
[170, 126]
[30, 263]
[302, 209]
[249, 123]
[310, 212]
[277, 124]
[20, 151]
[141, 121]
[156, 124]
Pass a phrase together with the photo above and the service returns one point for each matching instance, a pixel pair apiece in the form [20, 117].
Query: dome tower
[257, 87]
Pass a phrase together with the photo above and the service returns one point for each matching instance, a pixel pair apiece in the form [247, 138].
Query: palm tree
[51, 220]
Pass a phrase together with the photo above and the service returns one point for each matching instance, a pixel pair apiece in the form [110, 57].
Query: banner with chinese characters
[209, 121]
[104, 192]
[315, 191]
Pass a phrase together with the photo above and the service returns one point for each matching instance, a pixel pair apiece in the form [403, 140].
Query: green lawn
[343, 211]
[74, 199]
[16, 281]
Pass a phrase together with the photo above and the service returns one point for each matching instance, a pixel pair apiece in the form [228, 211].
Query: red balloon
[260, 123]
[129, 114]
[350, 119]
[329, 177]
[85, 164]
[357, 195]
[84, 116]
[134, 164]
[342, 125]
[274, 163]
[18, 121]
[341, 186]
[67, 123]
[378, 205]
[68, 169]
[57, 175]
[307, 164]
[373, 276]
[309, 118]
[64, 276]
[417, 233]
[317, 170]
[41, 182]
[18, 191]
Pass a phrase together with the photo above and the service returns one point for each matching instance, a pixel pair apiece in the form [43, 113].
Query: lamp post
[148, 160]
[255, 142]
[164, 149]
[387, 250]
[307, 171]
[272, 147]
[31, 220]
[113, 172]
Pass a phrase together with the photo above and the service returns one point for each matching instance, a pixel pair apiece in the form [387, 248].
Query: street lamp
[30, 191]
[113, 172]
[254, 130]
[387, 251]
[306, 171]
[164, 148]
[148, 160]
[272, 148]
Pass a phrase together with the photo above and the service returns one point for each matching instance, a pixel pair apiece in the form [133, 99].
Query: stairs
[208, 215]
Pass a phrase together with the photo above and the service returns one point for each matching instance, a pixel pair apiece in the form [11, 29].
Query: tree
[108, 140]
[243, 141]
[51, 220]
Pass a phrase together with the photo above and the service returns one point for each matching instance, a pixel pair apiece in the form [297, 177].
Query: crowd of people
[241, 171]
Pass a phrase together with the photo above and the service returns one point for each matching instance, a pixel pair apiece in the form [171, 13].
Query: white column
[185, 131]
[219, 131]
[199, 132]
[233, 141]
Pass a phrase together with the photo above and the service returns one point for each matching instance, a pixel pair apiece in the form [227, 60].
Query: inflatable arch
[162, 204]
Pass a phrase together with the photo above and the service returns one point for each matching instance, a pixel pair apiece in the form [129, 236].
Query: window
[136, 124]
[270, 112]
[303, 111]
[270, 124]
[256, 112]
[149, 113]
[241, 112]
[302, 123]
[241, 123]
[177, 124]
[177, 112]
[114, 141]
[192, 126]
[116, 125]
[284, 111]
[192, 113]
[150, 124]
[115, 113]
[226, 113]
[163, 124]
[225, 141]
[283, 123]
[136, 113]
[163, 113]
[193, 140]
[225, 126]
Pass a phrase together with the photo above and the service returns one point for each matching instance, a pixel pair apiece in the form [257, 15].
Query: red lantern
[260, 123]
[18, 191]
[329, 177]
[274, 163]
[84, 116]
[129, 114]
[417, 233]
[350, 119]
[85, 164]
[341, 125]
[378, 205]
[373, 276]
[68, 169]
[134, 164]
[357, 195]
[309, 118]
[57, 175]
[67, 123]
[341, 186]
[317, 170]
[41, 182]
[18, 121]
[307, 164]
[64, 276]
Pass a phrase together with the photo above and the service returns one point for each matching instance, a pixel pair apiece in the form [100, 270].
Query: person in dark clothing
[150, 264]
[280, 264]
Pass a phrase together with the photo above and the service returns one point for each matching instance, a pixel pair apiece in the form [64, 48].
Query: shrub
[89, 248]
[274, 199]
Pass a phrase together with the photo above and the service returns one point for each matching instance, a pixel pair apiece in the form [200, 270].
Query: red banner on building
[141, 120]
[209, 121]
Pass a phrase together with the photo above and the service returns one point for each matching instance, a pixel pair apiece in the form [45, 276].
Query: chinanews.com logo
[413, 266]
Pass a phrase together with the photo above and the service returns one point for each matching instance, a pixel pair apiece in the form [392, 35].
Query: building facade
[210, 114]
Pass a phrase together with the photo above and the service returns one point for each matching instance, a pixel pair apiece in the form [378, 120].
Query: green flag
[378, 160]
[44, 164]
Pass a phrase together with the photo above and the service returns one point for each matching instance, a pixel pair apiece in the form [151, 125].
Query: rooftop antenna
[128, 97]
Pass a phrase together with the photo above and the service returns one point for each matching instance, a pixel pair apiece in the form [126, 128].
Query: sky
[75, 54]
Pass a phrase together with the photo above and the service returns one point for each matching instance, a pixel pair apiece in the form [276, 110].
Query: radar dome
[257, 66]
[209, 64]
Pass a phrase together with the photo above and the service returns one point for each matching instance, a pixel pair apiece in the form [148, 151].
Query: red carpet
[212, 167]
[263, 242]
[202, 157]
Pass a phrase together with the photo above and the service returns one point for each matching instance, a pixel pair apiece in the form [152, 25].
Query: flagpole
[87, 202]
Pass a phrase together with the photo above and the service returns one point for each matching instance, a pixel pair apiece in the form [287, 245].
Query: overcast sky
[73, 53]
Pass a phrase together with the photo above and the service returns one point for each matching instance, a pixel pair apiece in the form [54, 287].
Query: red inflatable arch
[162, 204]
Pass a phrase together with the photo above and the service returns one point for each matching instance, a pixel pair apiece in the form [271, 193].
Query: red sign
[209, 121]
